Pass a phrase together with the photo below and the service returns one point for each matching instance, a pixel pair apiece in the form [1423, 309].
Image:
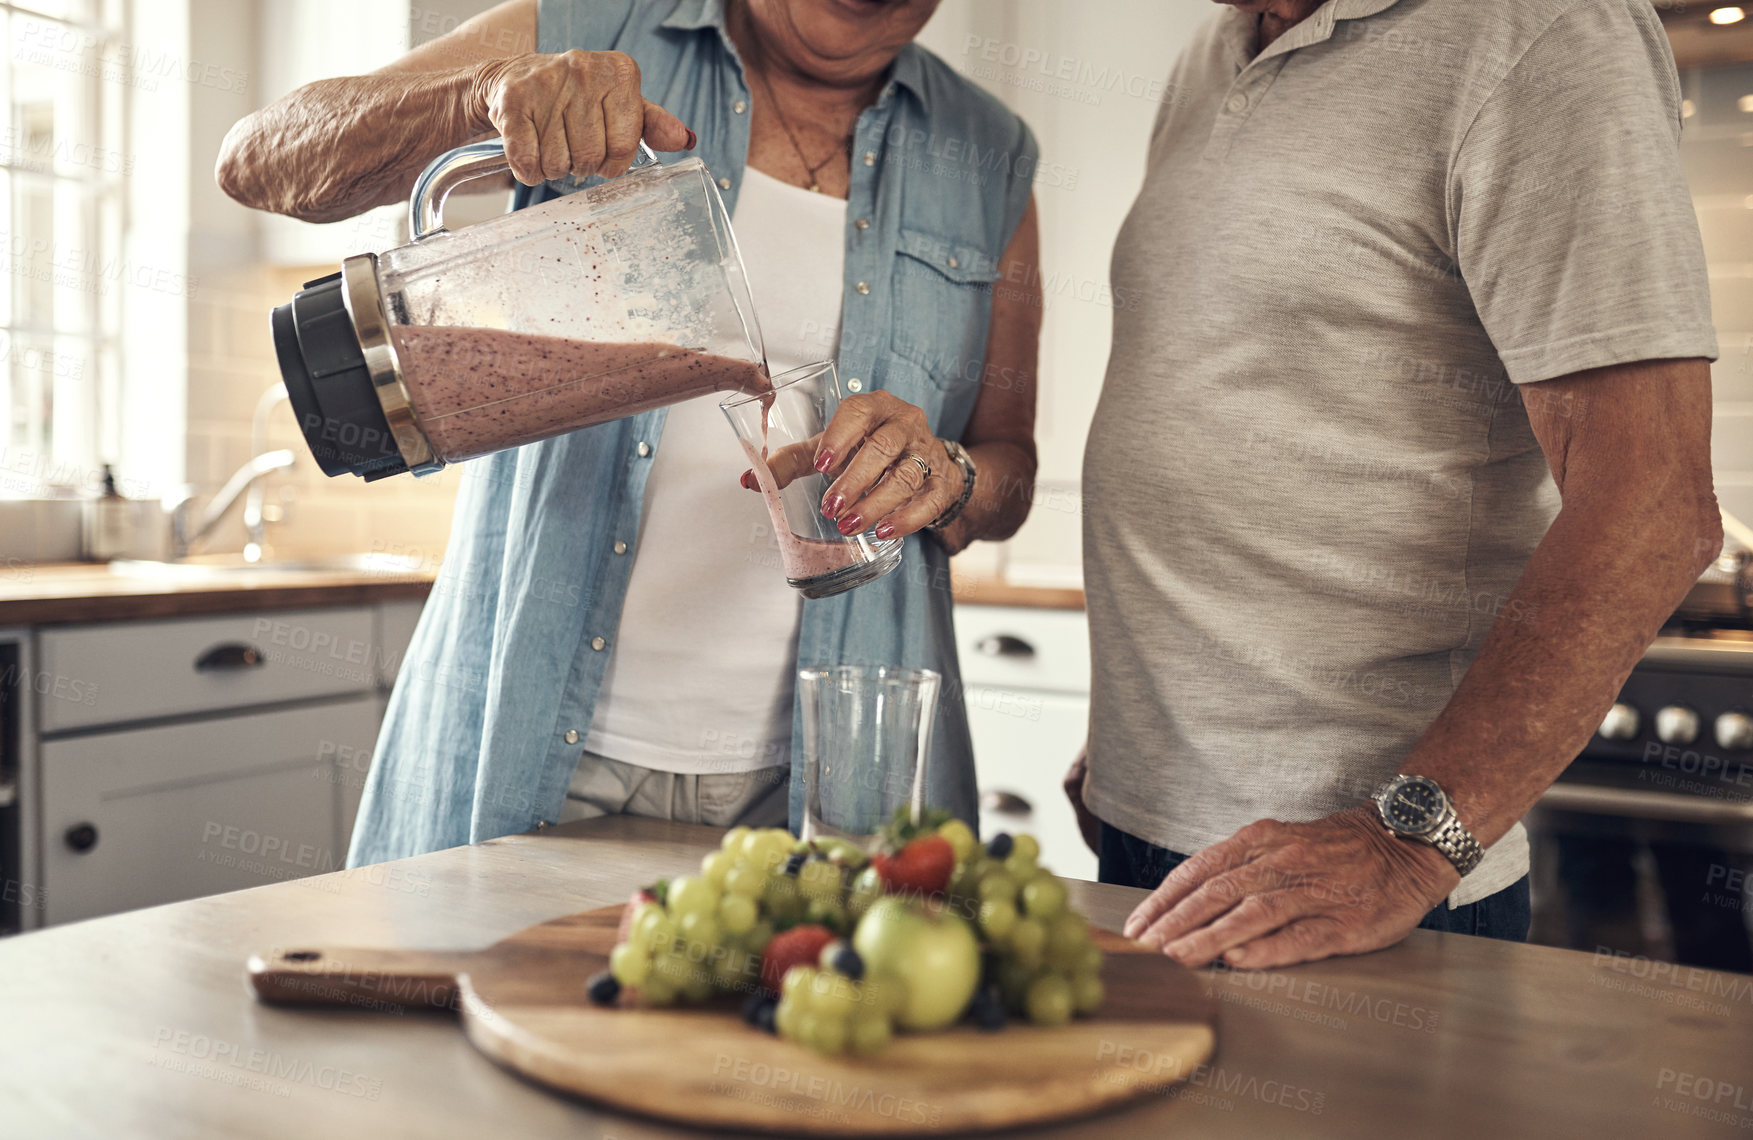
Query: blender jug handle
[449, 170]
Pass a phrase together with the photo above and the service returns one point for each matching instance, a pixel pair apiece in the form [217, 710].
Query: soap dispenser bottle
[107, 522]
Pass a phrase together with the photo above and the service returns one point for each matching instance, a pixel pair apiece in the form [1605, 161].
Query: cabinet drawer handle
[229, 656]
[1006, 803]
[81, 837]
[1005, 645]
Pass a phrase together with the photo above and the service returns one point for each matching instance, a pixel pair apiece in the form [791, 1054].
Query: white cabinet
[1025, 674]
[117, 672]
[395, 629]
[160, 778]
[156, 815]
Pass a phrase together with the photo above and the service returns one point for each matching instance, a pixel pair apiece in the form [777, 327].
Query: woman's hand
[578, 113]
[336, 147]
[868, 449]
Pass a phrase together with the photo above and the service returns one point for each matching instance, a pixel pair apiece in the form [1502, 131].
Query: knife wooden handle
[361, 978]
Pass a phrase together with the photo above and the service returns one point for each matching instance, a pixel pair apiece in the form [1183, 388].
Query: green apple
[932, 952]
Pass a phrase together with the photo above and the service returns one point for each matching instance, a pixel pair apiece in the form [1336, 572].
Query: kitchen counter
[62, 593]
[971, 590]
[68, 592]
[141, 1024]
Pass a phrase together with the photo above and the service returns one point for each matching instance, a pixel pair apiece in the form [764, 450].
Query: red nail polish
[851, 525]
[824, 461]
[748, 480]
[832, 505]
[692, 139]
[885, 530]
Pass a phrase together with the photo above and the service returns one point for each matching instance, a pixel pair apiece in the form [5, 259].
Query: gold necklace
[813, 171]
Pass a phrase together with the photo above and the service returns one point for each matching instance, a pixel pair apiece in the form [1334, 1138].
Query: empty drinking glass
[866, 742]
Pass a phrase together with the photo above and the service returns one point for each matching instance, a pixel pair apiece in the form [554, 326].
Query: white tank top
[705, 660]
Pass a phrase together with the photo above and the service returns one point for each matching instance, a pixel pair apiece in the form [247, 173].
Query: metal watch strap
[966, 462]
[1457, 844]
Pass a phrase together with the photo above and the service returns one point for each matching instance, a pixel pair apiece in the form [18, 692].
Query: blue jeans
[1133, 862]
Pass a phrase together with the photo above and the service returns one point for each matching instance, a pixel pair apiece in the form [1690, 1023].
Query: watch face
[1413, 804]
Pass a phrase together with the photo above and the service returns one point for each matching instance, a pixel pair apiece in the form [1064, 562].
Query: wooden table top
[141, 1024]
[65, 592]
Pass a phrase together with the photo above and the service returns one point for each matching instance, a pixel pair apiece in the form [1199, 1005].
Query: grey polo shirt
[1310, 483]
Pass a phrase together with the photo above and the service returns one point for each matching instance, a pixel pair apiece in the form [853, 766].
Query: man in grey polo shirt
[1402, 458]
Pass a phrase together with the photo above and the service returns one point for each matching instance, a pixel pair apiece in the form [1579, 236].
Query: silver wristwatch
[1415, 808]
[963, 460]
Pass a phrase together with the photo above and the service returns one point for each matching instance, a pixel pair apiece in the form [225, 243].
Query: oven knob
[1620, 723]
[1734, 731]
[1676, 724]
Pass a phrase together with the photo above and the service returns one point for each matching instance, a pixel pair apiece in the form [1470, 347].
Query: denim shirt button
[870, 158]
[644, 449]
[572, 736]
[862, 288]
[739, 106]
[855, 385]
[862, 223]
[598, 644]
[724, 184]
[620, 548]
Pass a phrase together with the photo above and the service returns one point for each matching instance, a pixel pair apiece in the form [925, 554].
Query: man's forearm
[1594, 594]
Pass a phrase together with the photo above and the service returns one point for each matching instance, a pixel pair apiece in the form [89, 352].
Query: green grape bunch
[774, 920]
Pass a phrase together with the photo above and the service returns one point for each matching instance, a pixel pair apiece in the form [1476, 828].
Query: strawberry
[799, 946]
[922, 867]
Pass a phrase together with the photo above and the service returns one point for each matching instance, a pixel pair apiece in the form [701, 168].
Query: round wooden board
[523, 1004]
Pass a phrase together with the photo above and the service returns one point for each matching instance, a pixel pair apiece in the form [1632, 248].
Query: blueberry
[846, 961]
[795, 864]
[758, 1010]
[1000, 845]
[988, 1010]
[603, 988]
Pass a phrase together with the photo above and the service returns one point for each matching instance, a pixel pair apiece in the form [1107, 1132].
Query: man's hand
[1087, 823]
[1274, 894]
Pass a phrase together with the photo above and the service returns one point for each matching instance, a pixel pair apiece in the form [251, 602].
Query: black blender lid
[330, 386]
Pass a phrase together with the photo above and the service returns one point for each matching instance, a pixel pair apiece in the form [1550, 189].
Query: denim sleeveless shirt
[495, 697]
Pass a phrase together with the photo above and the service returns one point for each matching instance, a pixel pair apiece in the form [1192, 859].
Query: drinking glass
[819, 561]
[866, 742]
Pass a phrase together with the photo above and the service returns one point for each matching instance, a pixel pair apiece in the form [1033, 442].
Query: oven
[1644, 845]
[19, 896]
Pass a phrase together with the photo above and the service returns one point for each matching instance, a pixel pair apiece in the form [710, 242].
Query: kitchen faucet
[241, 480]
[254, 522]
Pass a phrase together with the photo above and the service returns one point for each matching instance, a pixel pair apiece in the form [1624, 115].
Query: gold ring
[924, 467]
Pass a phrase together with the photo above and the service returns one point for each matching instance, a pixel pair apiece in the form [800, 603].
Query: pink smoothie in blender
[477, 390]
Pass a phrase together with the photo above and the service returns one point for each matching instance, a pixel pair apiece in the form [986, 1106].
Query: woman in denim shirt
[597, 595]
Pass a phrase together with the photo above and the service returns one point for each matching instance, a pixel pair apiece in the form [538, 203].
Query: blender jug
[599, 304]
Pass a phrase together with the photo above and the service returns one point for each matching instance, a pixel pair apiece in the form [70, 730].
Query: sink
[233, 566]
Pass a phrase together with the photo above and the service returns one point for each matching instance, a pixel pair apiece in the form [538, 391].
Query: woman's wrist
[483, 77]
[958, 455]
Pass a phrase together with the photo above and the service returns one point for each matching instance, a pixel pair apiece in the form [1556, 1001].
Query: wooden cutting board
[523, 1003]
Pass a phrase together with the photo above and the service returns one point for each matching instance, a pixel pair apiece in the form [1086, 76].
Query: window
[64, 82]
